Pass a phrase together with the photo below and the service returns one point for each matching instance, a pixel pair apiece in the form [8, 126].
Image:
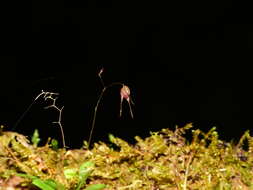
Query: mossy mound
[164, 161]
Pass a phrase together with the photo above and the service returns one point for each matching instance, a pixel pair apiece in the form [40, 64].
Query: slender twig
[95, 115]
[50, 96]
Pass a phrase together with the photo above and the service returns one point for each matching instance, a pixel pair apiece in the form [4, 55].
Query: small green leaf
[43, 185]
[111, 138]
[96, 187]
[48, 184]
[54, 144]
[35, 138]
[85, 170]
[70, 173]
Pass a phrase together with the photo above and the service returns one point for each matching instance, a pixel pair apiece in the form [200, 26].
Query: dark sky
[184, 62]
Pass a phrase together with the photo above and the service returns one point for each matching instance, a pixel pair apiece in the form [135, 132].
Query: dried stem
[49, 96]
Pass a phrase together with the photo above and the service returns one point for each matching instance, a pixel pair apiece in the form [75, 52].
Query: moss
[165, 160]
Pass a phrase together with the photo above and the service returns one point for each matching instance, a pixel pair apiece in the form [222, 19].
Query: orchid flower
[125, 94]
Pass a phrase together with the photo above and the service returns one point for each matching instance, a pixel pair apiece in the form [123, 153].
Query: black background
[183, 61]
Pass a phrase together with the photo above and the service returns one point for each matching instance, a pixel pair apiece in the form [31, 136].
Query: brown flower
[125, 94]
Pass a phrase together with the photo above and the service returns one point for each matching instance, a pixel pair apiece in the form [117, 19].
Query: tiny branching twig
[125, 94]
[53, 96]
[29, 107]
[47, 96]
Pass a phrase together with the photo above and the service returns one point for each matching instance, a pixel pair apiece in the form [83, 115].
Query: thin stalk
[95, 115]
[96, 107]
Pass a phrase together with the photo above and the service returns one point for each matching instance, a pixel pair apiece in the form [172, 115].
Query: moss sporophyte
[166, 160]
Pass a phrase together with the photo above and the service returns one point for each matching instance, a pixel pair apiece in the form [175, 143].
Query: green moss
[164, 161]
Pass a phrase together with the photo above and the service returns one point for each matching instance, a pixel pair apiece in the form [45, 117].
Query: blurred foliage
[166, 161]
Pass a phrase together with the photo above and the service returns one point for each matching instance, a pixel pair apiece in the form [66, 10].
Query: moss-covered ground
[164, 161]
